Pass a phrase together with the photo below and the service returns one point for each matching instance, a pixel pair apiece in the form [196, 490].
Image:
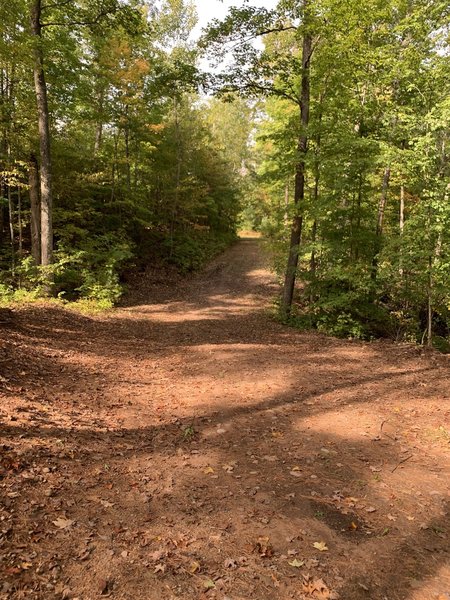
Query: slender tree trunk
[35, 205]
[313, 264]
[401, 226]
[2, 218]
[299, 192]
[99, 125]
[127, 149]
[286, 202]
[113, 166]
[430, 303]
[11, 229]
[19, 220]
[380, 221]
[44, 138]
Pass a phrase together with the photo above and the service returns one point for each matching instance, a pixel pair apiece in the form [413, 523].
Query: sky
[210, 9]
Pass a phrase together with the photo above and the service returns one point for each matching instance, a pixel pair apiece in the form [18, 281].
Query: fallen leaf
[157, 555]
[194, 567]
[209, 584]
[321, 546]
[263, 547]
[208, 470]
[62, 523]
[160, 568]
[297, 563]
[106, 504]
[318, 589]
[230, 564]
[371, 509]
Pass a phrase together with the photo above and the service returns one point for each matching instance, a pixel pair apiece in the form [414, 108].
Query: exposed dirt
[187, 446]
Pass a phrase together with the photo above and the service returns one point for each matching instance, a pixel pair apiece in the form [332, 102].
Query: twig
[386, 434]
[401, 462]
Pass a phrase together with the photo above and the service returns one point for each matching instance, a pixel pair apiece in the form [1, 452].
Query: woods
[328, 126]
[110, 159]
[224, 299]
[352, 150]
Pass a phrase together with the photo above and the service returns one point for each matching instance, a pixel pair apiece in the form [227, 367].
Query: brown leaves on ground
[190, 447]
[318, 589]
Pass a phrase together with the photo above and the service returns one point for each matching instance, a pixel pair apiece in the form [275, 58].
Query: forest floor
[188, 446]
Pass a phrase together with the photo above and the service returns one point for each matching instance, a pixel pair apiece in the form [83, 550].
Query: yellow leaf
[321, 546]
[297, 563]
[194, 567]
[208, 470]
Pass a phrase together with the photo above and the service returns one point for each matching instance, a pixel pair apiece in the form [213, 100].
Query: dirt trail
[187, 446]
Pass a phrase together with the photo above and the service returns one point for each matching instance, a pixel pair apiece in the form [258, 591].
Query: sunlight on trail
[192, 428]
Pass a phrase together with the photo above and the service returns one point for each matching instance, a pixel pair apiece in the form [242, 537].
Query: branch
[56, 5]
[79, 23]
[276, 30]
[270, 90]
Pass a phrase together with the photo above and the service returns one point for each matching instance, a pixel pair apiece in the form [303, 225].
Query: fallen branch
[401, 462]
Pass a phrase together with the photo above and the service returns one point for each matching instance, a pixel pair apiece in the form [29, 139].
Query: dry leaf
[297, 563]
[160, 568]
[194, 567]
[208, 470]
[209, 584]
[321, 546]
[62, 523]
[263, 547]
[319, 590]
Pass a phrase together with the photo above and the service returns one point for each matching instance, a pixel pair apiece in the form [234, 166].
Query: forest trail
[187, 446]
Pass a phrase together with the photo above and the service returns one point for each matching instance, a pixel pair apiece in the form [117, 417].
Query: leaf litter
[102, 496]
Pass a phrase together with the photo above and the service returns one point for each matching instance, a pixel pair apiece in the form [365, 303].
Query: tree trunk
[300, 172]
[286, 203]
[380, 221]
[127, 149]
[430, 303]
[99, 124]
[44, 138]
[11, 229]
[19, 220]
[402, 226]
[35, 204]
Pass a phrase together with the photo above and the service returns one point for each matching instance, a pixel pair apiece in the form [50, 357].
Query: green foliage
[143, 168]
[378, 139]
[190, 251]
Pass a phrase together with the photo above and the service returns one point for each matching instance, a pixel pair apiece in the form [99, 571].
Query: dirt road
[187, 446]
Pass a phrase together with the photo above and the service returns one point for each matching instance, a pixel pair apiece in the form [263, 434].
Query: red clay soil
[187, 446]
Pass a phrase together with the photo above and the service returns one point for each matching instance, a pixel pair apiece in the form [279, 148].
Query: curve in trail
[190, 440]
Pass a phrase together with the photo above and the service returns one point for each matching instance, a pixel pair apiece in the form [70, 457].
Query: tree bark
[380, 221]
[35, 203]
[11, 228]
[44, 138]
[300, 172]
[402, 226]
